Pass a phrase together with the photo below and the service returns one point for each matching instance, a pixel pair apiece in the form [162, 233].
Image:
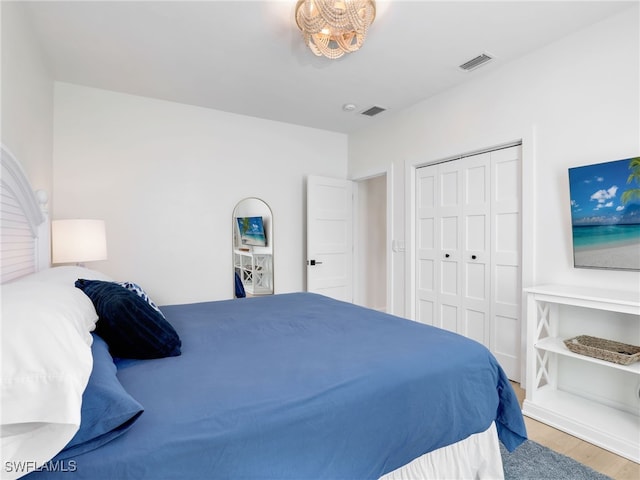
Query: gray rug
[532, 461]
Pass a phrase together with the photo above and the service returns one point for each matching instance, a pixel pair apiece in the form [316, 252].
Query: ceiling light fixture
[332, 28]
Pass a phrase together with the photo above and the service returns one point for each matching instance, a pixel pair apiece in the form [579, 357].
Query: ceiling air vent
[476, 62]
[370, 112]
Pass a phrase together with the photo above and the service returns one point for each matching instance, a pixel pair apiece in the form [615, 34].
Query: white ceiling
[247, 57]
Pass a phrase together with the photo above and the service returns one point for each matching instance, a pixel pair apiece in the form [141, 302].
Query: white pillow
[66, 274]
[46, 362]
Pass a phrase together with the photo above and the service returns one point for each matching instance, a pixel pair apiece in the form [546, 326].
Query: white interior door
[330, 237]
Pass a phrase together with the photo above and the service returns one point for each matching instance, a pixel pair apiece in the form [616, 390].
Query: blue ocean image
[605, 214]
[597, 236]
[253, 238]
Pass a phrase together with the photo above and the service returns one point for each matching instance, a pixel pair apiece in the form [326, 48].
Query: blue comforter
[300, 386]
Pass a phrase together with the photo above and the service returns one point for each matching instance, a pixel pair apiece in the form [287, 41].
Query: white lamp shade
[78, 240]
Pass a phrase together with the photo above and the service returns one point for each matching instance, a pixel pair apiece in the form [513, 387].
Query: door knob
[473, 257]
[446, 255]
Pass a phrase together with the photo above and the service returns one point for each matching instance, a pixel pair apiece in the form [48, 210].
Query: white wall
[27, 97]
[165, 177]
[574, 102]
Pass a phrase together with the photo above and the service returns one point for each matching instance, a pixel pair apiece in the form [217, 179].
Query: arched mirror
[252, 248]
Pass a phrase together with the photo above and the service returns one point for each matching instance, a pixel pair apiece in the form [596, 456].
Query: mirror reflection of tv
[251, 230]
[605, 214]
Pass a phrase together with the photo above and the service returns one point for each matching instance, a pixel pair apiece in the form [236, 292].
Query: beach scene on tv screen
[252, 231]
[605, 214]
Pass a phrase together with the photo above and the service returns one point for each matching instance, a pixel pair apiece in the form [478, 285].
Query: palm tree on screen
[632, 193]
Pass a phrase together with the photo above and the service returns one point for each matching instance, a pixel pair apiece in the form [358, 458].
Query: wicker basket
[608, 350]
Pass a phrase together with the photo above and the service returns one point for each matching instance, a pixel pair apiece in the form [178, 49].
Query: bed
[289, 386]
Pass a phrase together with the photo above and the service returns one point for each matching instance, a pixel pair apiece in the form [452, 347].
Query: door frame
[357, 235]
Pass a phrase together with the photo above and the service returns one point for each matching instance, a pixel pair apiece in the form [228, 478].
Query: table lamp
[78, 241]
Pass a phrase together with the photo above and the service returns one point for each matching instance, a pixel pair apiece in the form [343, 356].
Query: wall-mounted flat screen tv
[251, 230]
[605, 214]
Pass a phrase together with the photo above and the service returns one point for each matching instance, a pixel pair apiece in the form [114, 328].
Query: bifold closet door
[475, 316]
[427, 247]
[438, 246]
[506, 259]
[452, 246]
[468, 250]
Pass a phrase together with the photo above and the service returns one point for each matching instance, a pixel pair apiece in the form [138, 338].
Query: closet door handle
[473, 257]
[446, 255]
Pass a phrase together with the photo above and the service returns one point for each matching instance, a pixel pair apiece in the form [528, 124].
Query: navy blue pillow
[107, 410]
[129, 325]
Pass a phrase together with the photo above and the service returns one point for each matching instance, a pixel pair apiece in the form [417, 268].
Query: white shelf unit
[596, 400]
[255, 270]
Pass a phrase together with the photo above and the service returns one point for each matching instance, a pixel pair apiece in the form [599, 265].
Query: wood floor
[603, 461]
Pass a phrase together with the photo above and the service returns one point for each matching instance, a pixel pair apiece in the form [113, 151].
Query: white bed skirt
[476, 457]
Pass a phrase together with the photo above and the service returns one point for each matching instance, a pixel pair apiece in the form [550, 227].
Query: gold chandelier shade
[332, 28]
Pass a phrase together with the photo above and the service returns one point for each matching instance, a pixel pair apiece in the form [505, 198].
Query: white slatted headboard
[24, 238]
